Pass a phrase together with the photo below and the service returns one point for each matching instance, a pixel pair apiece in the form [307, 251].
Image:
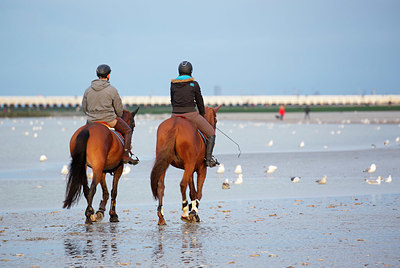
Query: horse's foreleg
[114, 192]
[193, 207]
[160, 195]
[103, 203]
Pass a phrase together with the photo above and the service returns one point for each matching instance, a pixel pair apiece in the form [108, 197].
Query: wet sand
[267, 221]
[323, 232]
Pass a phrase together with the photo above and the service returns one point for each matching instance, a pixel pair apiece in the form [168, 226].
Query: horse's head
[129, 117]
[211, 115]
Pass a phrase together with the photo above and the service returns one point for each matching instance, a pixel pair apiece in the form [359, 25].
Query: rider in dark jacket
[185, 96]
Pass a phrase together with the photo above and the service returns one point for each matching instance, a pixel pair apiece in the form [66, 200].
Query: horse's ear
[217, 108]
[134, 112]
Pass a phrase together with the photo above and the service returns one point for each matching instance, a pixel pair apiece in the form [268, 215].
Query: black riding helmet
[185, 67]
[103, 70]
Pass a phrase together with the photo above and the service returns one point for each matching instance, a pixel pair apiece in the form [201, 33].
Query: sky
[250, 47]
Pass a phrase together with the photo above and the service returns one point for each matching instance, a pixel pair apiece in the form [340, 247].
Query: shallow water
[265, 221]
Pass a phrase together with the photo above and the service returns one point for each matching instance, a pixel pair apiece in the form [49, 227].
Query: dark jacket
[101, 102]
[186, 95]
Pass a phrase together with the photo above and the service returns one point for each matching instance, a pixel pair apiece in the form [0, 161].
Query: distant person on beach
[307, 112]
[282, 111]
[101, 102]
[185, 96]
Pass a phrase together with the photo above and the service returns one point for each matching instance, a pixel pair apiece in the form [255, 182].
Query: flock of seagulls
[296, 179]
[371, 169]
[238, 172]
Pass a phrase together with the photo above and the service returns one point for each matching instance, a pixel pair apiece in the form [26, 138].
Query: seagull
[271, 169]
[301, 145]
[238, 169]
[377, 181]
[295, 179]
[322, 181]
[226, 185]
[371, 169]
[397, 140]
[64, 170]
[373, 146]
[43, 158]
[221, 169]
[386, 142]
[388, 179]
[270, 143]
[239, 179]
[126, 170]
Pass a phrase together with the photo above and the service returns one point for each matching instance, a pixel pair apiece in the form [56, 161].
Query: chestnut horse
[179, 144]
[94, 145]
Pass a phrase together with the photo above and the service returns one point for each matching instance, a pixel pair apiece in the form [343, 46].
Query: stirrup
[212, 162]
[131, 161]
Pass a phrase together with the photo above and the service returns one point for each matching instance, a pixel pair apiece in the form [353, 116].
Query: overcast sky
[52, 47]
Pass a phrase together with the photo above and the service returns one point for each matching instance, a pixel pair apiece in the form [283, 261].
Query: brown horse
[179, 144]
[94, 145]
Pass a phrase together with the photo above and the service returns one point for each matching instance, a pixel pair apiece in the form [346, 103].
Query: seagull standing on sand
[271, 169]
[64, 170]
[221, 169]
[371, 169]
[238, 169]
[126, 170]
[239, 179]
[295, 179]
[388, 179]
[322, 181]
[226, 185]
[377, 181]
[386, 143]
[301, 145]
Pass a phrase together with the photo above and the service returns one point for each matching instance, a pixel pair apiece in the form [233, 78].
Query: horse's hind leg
[114, 192]
[103, 203]
[160, 195]
[90, 217]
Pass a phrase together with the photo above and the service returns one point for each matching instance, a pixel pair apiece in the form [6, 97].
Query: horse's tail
[77, 172]
[163, 159]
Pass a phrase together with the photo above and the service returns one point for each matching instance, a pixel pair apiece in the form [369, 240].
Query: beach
[266, 221]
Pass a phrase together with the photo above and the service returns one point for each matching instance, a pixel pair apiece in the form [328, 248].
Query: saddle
[116, 133]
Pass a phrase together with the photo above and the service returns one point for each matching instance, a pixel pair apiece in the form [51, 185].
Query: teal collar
[183, 77]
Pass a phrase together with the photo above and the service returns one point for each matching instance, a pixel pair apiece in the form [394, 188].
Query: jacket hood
[182, 79]
[99, 84]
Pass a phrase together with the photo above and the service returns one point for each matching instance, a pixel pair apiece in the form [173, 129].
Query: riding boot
[210, 160]
[126, 131]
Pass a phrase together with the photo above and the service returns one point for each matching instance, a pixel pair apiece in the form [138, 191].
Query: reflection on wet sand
[190, 236]
[102, 248]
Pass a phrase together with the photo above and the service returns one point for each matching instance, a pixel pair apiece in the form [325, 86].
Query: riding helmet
[185, 67]
[103, 70]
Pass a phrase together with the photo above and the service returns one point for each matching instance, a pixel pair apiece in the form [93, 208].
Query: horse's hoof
[114, 218]
[185, 219]
[93, 218]
[99, 216]
[88, 221]
[194, 217]
[162, 222]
